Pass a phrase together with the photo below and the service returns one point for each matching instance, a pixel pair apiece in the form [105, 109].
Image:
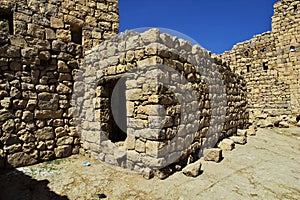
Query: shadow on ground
[15, 185]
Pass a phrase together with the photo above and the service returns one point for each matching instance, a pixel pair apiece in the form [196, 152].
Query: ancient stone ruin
[270, 64]
[171, 102]
[42, 43]
[62, 66]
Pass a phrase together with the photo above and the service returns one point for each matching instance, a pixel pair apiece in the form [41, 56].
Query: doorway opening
[116, 90]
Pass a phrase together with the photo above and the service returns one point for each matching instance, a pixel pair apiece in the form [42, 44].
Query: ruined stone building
[41, 45]
[270, 64]
[60, 60]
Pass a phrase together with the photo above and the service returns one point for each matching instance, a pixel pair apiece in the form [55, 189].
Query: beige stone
[193, 169]
[226, 145]
[213, 154]
[56, 22]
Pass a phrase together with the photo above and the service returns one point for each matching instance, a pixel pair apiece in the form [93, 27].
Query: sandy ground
[267, 167]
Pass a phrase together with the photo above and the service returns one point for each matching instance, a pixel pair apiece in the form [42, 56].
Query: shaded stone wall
[270, 63]
[41, 45]
[165, 123]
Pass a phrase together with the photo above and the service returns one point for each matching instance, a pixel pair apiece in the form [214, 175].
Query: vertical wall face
[41, 46]
[286, 28]
[270, 65]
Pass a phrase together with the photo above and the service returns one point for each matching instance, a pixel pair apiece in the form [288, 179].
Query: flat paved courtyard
[267, 167]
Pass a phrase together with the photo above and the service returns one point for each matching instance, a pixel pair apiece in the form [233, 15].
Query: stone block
[213, 154]
[226, 145]
[45, 133]
[140, 146]
[56, 22]
[239, 139]
[134, 94]
[241, 132]
[48, 114]
[20, 159]
[63, 151]
[193, 169]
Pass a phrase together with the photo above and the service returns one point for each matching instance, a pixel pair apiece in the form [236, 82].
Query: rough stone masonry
[44, 46]
[165, 122]
[41, 45]
[270, 64]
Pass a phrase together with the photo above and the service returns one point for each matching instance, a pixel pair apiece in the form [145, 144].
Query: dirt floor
[267, 167]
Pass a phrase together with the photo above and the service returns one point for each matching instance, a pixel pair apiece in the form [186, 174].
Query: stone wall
[177, 100]
[270, 64]
[41, 45]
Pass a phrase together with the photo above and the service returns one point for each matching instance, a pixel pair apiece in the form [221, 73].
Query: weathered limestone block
[193, 169]
[59, 46]
[50, 34]
[140, 146]
[153, 35]
[130, 142]
[213, 154]
[56, 22]
[239, 139]
[28, 147]
[44, 55]
[63, 89]
[284, 124]
[48, 114]
[5, 102]
[45, 133]
[48, 101]
[20, 159]
[73, 20]
[226, 145]
[10, 149]
[8, 126]
[36, 31]
[5, 115]
[241, 132]
[63, 35]
[153, 147]
[47, 155]
[63, 151]
[60, 132]
[65, 140]
[27, 116]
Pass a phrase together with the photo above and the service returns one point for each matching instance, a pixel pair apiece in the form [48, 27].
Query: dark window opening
[76, 34]
[292, 49]
[265, 66]
[6, 17]
[246, 53]
[116, 89]
[264, 49]
[248, 68]
[298, 118]
[295, 8]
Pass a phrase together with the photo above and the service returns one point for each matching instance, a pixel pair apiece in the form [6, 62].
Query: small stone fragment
[226, 145]
[239, 139]
[193, 169]
[213, 154]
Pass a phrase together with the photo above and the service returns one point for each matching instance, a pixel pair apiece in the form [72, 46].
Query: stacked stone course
[41, 45]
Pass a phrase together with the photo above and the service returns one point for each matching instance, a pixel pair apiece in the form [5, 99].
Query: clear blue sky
[216, 25]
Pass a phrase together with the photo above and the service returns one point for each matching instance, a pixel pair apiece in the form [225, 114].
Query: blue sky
[216, 25]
